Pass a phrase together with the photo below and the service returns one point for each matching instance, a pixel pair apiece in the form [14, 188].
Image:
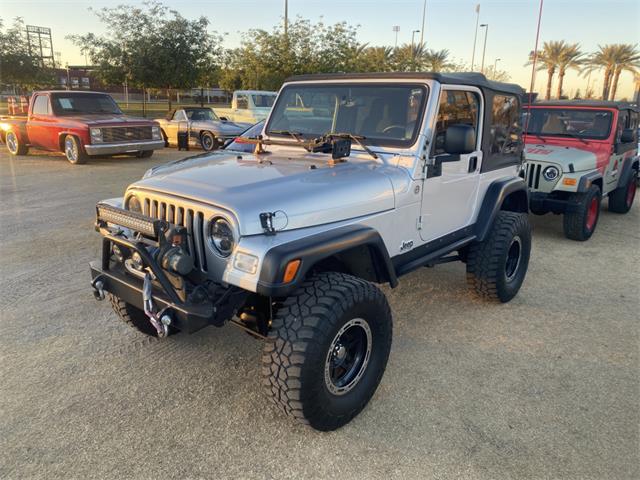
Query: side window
[456, 107]
[505, 125]
[41, 105]
[180, 116]
[623, 122]
[242, 102]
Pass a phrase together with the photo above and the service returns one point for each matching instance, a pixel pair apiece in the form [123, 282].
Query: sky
[449, 24]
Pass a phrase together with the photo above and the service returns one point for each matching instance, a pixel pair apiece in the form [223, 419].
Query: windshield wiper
[578, 137]
[295, 136]
[356, 138]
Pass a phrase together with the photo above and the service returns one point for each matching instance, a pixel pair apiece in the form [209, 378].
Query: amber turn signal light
[569, 181]
[291, 270]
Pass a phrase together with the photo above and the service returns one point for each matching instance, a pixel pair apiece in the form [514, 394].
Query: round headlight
[550, 173]
[221, 235]
[133, 204]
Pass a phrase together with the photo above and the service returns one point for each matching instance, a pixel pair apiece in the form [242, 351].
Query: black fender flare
[627, 170]
[498, 192]
[315, 248]
[588, 179]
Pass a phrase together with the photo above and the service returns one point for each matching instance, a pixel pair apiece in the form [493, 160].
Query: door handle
[473, 164]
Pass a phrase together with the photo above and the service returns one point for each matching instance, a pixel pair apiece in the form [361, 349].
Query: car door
[449, 200]
[613, 169]
[177, 122]
[40, 127]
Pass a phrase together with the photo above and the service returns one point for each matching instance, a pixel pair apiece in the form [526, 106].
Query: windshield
[75, 102]
[571, 122]
[201, 114]
[263, 101]
[385, 114]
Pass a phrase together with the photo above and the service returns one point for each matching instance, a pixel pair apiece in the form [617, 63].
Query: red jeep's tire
[621, 199]
[14, 145]
[580, 224]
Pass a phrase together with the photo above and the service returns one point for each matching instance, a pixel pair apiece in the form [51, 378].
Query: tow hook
[98, 287]
[160, 322]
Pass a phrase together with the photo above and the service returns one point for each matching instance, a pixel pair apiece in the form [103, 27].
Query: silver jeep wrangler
[356, 180]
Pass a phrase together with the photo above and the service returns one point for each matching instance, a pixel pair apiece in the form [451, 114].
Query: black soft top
[585, 103]
[464, 78]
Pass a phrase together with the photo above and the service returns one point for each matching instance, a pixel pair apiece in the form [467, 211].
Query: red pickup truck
[80, 124]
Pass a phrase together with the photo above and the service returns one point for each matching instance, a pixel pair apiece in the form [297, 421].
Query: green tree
[613, 59]
[570, 58]
[152, 47]
[627, 58]
[17, 66]
[436, 60]
[548, 59]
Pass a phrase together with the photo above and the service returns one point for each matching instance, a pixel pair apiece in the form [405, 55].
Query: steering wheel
[391, 127]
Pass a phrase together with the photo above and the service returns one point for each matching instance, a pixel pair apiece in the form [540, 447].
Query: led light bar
[125, 218]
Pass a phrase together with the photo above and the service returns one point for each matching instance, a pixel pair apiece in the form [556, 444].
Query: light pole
[475, 37]
[484, 49]
[396, 29]
[413, 52]
[286, 18]
[495, 65]
[424, 13]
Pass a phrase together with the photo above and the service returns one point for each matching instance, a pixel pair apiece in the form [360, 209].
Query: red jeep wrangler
[576, 153]
[80, 124]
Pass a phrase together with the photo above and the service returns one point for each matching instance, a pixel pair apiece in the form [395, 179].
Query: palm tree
[627, 58]
[436, 60]
[571, 57]
[549, 59]
[604, 58]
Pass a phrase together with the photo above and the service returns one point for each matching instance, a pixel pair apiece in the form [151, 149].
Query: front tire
[208, 141]
[14, 145]
[621, 199]
[327, 350]
[74, 150]
[132, 316]
[580, 224]
[496, 267]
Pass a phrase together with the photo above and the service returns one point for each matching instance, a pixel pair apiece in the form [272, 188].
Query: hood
[228, 128]
[305, 188]
[108, 120]
[561, 156]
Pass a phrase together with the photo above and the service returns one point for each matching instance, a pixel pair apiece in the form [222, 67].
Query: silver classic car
[204, 127]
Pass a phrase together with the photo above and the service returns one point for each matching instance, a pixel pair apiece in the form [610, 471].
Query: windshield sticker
[65, 103]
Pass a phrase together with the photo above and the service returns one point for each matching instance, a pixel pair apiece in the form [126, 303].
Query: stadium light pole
[475, 37]
[413, 52]
[495, 65]
[424, 13]
[396, 29]
[286, 18]
[484, 49]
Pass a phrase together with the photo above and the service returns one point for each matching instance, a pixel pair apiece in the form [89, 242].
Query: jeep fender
[629, 169]
[350, 241]
[505, 194]
[589, 179]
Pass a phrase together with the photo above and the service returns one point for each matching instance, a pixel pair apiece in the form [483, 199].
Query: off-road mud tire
[132, 316]
[491, 271]
[303, 331]
[621, 199]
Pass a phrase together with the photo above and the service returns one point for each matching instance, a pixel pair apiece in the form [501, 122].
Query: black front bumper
[185, 317]
[540, 203]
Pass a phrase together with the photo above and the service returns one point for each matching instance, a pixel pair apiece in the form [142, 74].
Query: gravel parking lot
[546, 386]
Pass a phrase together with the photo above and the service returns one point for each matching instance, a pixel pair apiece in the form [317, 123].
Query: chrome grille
[126, 134]
[192, 219]
[532, 176]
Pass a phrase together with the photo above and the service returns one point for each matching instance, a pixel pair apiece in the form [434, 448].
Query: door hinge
[419, 223]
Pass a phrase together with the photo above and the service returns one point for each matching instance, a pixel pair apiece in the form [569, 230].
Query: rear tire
[581, 224]
[621, 199]
[327, 350]
[74, 150]
[496, 267]
[208, 141]
[132, 316]
[14, 145]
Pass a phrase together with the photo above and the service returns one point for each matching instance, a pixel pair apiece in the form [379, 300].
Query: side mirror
[459, 139]
[628, 136]
[223, 119]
